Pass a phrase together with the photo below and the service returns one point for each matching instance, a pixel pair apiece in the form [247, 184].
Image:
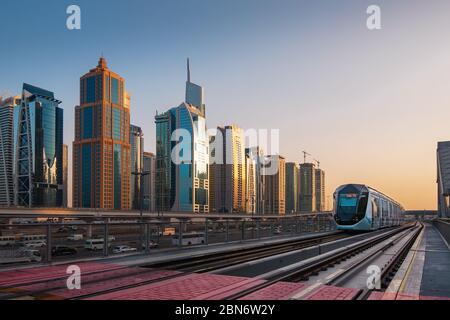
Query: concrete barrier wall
[263, 265]
[444, 229]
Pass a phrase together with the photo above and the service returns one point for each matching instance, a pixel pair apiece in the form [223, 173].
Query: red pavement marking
[227, 291]
[91, 288]
[332, 293]
[188, 287]
[401, 296]
[49, 285]
[277, 291]
[433, 298]
[376, 295]
[21, 276]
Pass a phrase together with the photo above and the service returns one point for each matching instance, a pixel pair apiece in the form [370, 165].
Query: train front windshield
[351, 208]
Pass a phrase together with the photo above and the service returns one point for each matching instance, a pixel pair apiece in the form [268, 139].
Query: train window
[362, 206]
[347, 202]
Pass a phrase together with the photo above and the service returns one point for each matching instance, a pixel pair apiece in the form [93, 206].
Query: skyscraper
[256, 154]
[443, 178]
[101, 150]
[7, 108]
[65, 174]
[182, 156]
[320, 190]
[137, 158]
[275, 192]
[228, 170]
[39, 149]
[292, 186]
[149, 181]
[251, 181]
[307, 187]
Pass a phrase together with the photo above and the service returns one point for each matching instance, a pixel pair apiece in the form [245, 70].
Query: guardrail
[48, 241]
[444, 228]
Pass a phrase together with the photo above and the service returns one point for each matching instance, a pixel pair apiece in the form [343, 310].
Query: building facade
[320, 190]
[182, 155]
[101, 150]
[307, 187]
[443, 179]
[257, 157]
[65, 175]
[149, 164]
[292, 187]
[228, 170]
[38, 143]
[137, 159]
[7, 108]
[275, 186]
[251, 181]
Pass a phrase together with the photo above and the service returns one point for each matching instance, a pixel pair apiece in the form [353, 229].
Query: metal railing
[79, 239]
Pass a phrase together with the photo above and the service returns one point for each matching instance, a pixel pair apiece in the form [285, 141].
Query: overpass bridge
[98, 214]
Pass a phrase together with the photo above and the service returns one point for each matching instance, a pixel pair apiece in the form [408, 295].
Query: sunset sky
[370, 105]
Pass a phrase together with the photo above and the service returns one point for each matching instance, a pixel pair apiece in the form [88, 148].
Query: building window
[117, 176]
[116, 124]
[86, 174]
[107, 98]
[87, 123]
[115, 90]
[90, 92]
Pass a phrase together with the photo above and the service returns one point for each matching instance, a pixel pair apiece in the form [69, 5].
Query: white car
[151, 245]
[37, 244]
[123, 249]
[75, 237]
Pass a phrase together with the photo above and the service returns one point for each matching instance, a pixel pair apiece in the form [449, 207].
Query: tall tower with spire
[182, 180]
[194, 92]
[101, 150]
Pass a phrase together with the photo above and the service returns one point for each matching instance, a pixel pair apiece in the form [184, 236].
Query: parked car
[37, 244]
[277, 231]
[123, 249]
[63, 251]
[75, 237]
[151, 244]
[95, 244]
[110, 238]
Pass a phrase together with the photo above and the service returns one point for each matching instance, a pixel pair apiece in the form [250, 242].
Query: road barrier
[444, 228]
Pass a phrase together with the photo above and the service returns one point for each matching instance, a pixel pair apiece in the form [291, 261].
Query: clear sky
[370, 105]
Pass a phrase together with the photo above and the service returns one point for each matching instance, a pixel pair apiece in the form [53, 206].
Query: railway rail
[311, 267]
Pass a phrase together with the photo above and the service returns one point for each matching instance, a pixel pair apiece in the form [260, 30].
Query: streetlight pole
[141, 174]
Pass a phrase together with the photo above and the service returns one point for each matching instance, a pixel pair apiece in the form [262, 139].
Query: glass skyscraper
[38, 143]
[183, 185]
[292, 187]
[7, 107]
[320, 190]
[101, 150]
[307, 201]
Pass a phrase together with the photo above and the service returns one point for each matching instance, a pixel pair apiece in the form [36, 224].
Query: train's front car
[350, 207]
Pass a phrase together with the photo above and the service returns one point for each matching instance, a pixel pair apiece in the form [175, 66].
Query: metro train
[359, 207]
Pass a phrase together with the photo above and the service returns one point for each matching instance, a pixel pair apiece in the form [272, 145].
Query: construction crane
[304, 156]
